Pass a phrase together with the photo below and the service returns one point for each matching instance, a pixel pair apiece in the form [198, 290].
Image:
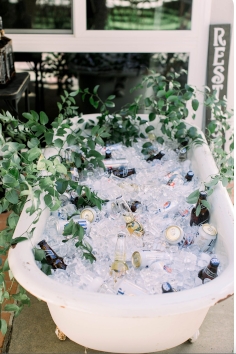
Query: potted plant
[26, 174]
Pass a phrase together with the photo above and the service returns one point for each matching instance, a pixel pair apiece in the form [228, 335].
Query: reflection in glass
[117, 73]
[36, 14]
[139, 14]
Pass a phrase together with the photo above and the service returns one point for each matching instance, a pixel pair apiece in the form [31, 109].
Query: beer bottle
[133, 226]
[128, 288]
[167, 288]
[189, 176]
[134, 206]
[115, 163]
[184, 143]
[108, 154]
[158, 156]
[182, 154]
[51, 257]
[210, 272]
[204, 215]
[119, 266]
[123, 172]
[171, 180]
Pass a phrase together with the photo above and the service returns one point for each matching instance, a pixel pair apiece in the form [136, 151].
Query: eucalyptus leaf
[39, 254]
[206, 204]
[12, 196]
[3, 325]
[195, 104]
[43, 118]
[198, 210]
[149, 129]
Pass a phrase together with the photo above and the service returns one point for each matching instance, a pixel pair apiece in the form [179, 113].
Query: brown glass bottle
[204, 215]
[189, 176]
[210, 272]
[52, 258]
[134, 205]
[167, 288]
[158, 156]
[108, 154]
[124, 172]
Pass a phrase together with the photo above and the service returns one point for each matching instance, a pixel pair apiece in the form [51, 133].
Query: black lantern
[7, 68]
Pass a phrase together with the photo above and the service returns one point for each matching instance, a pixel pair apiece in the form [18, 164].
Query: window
[45, 16]
[139, 14]
[190, 38]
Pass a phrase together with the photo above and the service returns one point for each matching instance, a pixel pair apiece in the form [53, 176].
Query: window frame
[193, 41]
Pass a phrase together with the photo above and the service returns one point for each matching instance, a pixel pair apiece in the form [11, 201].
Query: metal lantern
[7, 68]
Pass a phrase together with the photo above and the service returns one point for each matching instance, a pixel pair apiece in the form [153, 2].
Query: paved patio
[34, 332]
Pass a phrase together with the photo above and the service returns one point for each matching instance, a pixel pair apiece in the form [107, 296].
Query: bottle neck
[199, 201]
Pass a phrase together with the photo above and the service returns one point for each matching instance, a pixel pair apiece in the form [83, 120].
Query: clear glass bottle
[119, 266]
[182, 154]
[144, 258]
[128, 288]
[132, 225]
[85, 224]
[96, 284]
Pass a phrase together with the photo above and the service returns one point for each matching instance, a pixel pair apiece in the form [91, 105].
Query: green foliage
[26, 174]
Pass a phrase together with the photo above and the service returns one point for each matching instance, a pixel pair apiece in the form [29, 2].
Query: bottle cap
[190, 174]
[203, 194]
[166, 287]
[88, 214]
[108, 154]
[182, 154]
[136, 259]
[174, 234]
[183, 151]
[214, 262]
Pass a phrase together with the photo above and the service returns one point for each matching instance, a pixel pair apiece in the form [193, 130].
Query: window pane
[36, 14]
[117, 73]
[139, 14]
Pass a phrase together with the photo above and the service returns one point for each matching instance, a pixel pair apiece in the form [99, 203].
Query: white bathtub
[141, 324]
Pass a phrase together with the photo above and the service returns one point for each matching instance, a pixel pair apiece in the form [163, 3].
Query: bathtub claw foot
[60, 335]
[194, 337]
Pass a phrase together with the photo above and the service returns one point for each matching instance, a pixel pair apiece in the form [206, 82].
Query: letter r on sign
[218, 36]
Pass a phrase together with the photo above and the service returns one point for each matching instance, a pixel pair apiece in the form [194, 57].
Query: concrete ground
[34, 332]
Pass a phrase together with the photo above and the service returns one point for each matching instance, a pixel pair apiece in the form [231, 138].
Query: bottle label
[167, 269]
[166, 287]
[120, 292]
[201, 223]
[167, 205]
[49, 253]
[209, 273]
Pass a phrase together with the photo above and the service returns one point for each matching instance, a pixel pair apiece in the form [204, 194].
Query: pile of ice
[161, 205]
